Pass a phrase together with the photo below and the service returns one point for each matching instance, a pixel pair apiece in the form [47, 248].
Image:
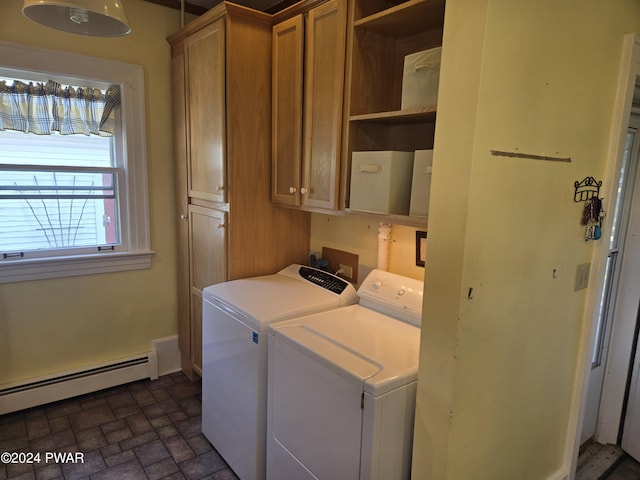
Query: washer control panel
[324, 279]
[345, 292]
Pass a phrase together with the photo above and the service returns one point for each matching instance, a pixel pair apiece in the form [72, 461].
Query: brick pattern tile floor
[143, 430]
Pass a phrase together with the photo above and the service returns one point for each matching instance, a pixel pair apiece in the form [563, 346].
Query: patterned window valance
[45, 108]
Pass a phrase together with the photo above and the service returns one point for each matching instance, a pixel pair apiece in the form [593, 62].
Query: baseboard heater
[77, 382]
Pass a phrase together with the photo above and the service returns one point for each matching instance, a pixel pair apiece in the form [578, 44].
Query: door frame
[621, 345]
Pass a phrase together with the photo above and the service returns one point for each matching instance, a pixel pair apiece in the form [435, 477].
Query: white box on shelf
[381, 182]
[421, 183]
[420, 79]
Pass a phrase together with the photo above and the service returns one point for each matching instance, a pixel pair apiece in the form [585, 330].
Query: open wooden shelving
[383, 33]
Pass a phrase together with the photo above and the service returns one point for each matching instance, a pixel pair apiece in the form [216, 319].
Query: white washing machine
[235, 319]
[342, 386]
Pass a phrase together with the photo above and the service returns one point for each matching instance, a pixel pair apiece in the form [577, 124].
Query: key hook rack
[586, 189]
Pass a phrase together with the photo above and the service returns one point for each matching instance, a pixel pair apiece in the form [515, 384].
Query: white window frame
[135, 208]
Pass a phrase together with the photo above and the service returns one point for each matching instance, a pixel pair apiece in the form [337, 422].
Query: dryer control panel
[395, 295]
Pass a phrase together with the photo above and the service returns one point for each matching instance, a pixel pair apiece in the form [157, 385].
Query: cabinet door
[287, 111]
[207, 264]
[205, 95]
[324, 85]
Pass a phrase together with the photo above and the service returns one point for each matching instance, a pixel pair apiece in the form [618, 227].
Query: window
[74, 204]
[57, 193]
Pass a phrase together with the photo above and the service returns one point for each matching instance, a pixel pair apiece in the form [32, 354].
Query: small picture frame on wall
[421, 248]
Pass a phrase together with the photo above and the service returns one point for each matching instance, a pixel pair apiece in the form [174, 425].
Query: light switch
[582, 276]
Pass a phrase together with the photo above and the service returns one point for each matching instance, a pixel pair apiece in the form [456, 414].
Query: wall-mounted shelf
[409, 18]
[417, 222]
[416, 115]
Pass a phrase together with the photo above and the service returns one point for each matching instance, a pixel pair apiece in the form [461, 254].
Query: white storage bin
[421, 183]
[420, 79]
[381, 181]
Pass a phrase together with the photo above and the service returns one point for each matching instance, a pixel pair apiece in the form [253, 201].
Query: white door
[629, 289]
[615, 280]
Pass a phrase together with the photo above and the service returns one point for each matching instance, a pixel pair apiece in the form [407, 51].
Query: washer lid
[380, 350]
[266, 299]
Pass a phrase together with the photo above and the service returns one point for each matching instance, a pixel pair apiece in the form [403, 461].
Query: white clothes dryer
[342, 386]
[235, 318]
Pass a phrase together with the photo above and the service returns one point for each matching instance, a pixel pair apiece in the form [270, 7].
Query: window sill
[58, 267]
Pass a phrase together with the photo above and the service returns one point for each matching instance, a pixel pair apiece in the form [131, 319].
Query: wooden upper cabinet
[205, 86]
[308, 85]
[288, 53]
[324, 86]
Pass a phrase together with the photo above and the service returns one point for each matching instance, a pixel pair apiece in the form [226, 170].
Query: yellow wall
[497, 370]
[360, 236]
[54, 325]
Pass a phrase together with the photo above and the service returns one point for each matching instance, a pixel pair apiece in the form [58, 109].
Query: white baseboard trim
[168, 354]
[560, 474]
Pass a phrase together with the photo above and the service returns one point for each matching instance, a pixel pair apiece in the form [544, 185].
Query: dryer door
[315, 409]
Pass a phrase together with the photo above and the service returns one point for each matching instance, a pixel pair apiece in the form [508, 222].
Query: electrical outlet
[344, 262]
[346, 271]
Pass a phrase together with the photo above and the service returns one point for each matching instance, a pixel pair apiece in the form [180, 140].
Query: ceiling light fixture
[95, 18]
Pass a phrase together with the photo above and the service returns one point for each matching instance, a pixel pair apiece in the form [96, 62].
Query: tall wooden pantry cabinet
[227, 226]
